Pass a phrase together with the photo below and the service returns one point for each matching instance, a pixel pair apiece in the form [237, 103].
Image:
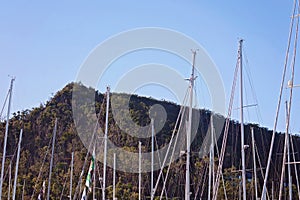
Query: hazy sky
[44, 44]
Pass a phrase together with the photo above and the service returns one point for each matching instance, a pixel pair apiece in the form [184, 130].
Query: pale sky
[44, 44]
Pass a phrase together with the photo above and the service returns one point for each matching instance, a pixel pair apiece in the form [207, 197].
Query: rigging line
[173, 151]
[171, 140]
[226, 130]
[159, 160]
[196, 95]
[263, 197]
[235, 128]
[95, 163]
[246, 107]
[163, 177]
[199, 183]
[99, 177]
[249, 156]
[41, 168]
[290, 102]
[197, 187]
[235, 112]
[295, 166]
[12, 158]
[86, 156]
[64, 185]
[4, 104]
[260, 165]
[169, 167]
[218, 154]
[164, 161]
[82, 171]
[205, 178]
[160, 164]
[263, 139]
[78, 187]
[250, 79]
[245, 92]
[249, 107]
[277, 158]
[198, 90]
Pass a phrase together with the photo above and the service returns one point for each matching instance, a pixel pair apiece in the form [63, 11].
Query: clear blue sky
[44, 43]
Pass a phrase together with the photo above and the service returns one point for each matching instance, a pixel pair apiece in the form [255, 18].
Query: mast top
[13, 78]
[240, 49]
[192, 78]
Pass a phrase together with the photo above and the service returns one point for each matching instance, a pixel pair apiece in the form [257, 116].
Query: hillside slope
[38, 123]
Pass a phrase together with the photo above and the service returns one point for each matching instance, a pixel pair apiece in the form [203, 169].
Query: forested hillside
[38, 123]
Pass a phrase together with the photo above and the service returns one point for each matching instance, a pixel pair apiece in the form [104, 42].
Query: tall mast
[289, 168]
[17, 165]
[213, 152]
[94, 173]
[211, 159]
[71, 174]
[264, 191]
[189, 131]
[289, 165]
[9, 179]
[114, 177]
[152, 157]
[285, 153]
[242, 120]
[254, 162]
[140, 170]
[51, 161]
[6, 134]
[295, 166]
[105, 142]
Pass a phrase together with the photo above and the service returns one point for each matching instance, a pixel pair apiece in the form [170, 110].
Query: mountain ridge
[38, 124]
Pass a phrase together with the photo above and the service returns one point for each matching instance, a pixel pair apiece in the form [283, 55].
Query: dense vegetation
[38, 123]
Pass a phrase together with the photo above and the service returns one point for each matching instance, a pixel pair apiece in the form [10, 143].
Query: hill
[37, 124]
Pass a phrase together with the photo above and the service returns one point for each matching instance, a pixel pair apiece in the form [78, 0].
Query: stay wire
[226, 131]
[87, 154]
[170, 143]
[279, 103]
[174, 148]
[4, 104]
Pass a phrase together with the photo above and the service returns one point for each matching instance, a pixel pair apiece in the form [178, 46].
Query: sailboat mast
[152, 157]
[288, 157]
[213, 152]
[242, 120]
[105, 142]
[114, 177]
[211, 159]
[289, 169]
[295, 166]
[17, 165]
[5, 136]
[285, 153]
[71, 174]
[51, 161]
[189, 131]
[9, 179]
[140, 170]
[264, 191]
[254, 163]
[94, 173]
